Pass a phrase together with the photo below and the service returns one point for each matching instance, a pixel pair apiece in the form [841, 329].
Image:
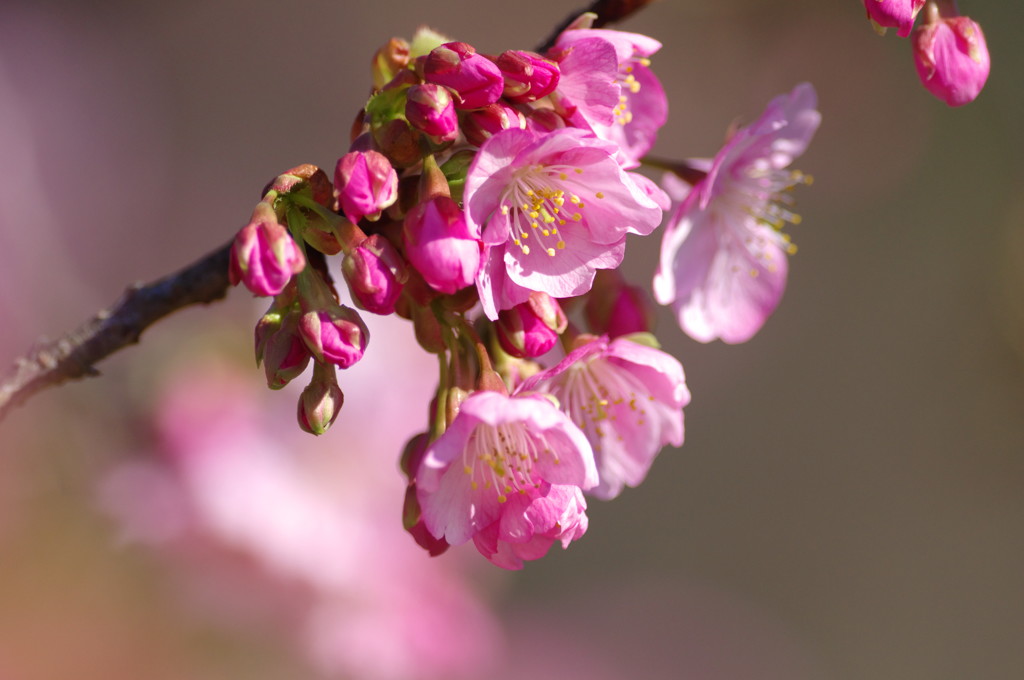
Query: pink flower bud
[321, 401]
[951, 58]
[616, 308]
[366, 184]
[376, 274]
[532, 328]
[430, 109]
[894, 13]
[264, 257]
[283, 352]
[528, 76]
[441, 246]
[474, 78]
[335, 335]
[479, 126]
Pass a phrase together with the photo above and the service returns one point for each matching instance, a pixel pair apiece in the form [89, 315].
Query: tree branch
[74, 355]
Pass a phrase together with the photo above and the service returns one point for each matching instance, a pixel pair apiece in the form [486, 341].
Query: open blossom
[952, 58]
[627, 398]
[723, 257]
[642, 107]
[507, 473]
[894, 13]
[552, 208]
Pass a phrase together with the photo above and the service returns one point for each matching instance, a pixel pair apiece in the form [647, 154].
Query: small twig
[74, 355]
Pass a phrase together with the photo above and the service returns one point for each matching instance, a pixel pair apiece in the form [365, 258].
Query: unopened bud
[441, 246]
[321, 401]
[389, 60]
[528, 76]
[430, 109]
[376, 274]
[951, 57]
[366, 184]
[264, 256]
[479, 126]
[474, 78]
[532, 328]
[897, 14]
[335, 334]
[283, 352]
[616, 308]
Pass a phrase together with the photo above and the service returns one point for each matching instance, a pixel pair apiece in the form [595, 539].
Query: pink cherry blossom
[507, 473]
[627, 398]
[952, 58]
[264, 256]
[642, 107]
[894, 13]
[552, 208]
[723, 257]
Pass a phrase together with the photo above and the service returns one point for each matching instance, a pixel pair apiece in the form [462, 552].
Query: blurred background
[849, 501]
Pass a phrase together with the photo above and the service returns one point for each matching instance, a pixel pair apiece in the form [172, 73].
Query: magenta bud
[952, 58]
[441, 246]
[412, 520]
[366, 184]
[528, 76]
[283, 352]
[544, 120]
[481, 125]
[430, 109]
[264, 256]
[532, 328]
[376, 274]
[898, 14]
[616, 308]
[335, 335]
[321, 401]
[474, 78]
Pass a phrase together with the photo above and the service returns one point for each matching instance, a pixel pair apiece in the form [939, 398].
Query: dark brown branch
[607, 11]
[74, 355]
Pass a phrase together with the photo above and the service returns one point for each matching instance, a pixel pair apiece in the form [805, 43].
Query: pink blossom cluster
[950, 52]
[488, 200]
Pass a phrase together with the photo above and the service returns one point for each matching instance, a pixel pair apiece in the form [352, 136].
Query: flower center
[536, 203]
[502, 457]
[628, 82]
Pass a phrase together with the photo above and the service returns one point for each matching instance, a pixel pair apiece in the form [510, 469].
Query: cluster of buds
[488, 199]
[949, 49]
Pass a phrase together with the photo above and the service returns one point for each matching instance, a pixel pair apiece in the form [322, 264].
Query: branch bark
[74, 355]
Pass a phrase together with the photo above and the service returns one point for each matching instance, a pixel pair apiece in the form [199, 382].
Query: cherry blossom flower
[723, 256]
[642, 107]
[507, 473]
[628, 399]
[552, 209]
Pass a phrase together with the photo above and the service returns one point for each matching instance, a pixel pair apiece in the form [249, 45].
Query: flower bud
[441, 246]
[528, 76]
[479, 126]
[263, 256]
[474, 78]
[894, 13]
[366, 184]
[375, 274]
[532, 328]
[321, 401]
[335, 334]
[412, 520]
[951, 58]
[430, 109]
[283, 352]
[389, 60]
[616, 308]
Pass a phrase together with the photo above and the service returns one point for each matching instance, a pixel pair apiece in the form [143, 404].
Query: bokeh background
[849, 501]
